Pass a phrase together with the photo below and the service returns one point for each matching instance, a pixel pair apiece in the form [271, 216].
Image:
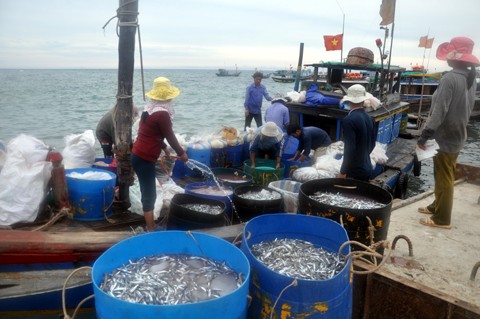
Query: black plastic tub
[354, 220]
[232, 177]
[249, 208]
[183, 218]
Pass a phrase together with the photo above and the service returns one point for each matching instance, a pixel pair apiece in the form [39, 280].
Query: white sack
[79, 151]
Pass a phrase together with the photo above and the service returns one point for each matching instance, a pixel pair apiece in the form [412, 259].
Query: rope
[62, 213]
[368, 251]
[293, 284]
[64, 307]
[129, 24]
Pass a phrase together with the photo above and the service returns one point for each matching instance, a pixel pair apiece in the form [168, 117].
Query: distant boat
[225, 72]
[289, 76]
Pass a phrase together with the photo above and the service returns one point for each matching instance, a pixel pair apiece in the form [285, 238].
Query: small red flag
[333, 42]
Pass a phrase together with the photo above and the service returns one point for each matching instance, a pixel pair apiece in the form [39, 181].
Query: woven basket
[360, 56]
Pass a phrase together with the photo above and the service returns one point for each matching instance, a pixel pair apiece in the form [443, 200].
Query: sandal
[425, 210]
[429, 222]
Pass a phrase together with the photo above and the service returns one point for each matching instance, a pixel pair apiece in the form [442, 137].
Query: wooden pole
[299, 68]
[123, 117]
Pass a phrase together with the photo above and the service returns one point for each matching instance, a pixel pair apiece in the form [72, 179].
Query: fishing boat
[289, 76]
[388, 118]
[417, 88]
[225, 72]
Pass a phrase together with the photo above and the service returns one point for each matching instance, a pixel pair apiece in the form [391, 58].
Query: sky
[211, 34]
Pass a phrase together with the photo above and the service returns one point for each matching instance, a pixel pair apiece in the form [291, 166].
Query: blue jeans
[145, 171]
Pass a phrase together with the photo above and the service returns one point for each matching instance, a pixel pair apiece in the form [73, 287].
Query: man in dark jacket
[358, 137]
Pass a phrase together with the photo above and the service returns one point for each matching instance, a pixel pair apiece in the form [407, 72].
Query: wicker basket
[360, 56]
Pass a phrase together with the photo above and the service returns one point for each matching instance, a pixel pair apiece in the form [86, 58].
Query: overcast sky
[264, 34]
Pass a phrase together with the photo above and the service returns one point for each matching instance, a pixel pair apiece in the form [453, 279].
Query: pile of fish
[261, 195]
[346, 201]
[171, 279]
[204, 208]
[298, 258]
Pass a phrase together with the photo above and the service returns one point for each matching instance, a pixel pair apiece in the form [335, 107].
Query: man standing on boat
[278, 113]
[253, 100]
[452, 105]
[358, 136]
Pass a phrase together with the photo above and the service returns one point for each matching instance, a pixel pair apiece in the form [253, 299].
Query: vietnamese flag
[333, 42]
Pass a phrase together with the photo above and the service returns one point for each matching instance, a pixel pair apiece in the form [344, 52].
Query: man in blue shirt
[278, 113]
[253, 100]
[310, 138]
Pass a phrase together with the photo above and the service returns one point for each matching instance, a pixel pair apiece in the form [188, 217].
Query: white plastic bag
[289, 190]
[79, 151]
[23, 180]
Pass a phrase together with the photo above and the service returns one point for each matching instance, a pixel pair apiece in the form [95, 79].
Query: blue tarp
[315, 98]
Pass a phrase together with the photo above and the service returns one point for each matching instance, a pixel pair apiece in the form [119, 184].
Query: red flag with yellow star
[333, 42]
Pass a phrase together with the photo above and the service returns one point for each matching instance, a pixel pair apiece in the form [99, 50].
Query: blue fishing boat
[390, 119]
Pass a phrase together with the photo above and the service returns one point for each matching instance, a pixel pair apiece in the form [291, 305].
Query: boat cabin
[390, 117]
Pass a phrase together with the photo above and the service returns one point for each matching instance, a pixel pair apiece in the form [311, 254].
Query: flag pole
[343, 36]
[420, 103]
[391, 37]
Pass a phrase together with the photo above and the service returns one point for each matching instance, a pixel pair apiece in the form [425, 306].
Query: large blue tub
[230, 306]
[330, 298]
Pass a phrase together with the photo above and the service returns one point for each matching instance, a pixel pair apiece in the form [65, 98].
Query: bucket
[291, 166]
[229, 306]
[232, 177]
[200, 155]
[264, 171]
[330, 298]
[195, 189]
[183, 218]
[289, 190]
[108, 164]
[218, 157]
[249, 208]
[290, 146]
[354, 220]
[234, 155]
[179, 169]
[90, 199]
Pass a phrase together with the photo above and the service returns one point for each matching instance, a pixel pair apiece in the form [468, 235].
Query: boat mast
[127, 15]
[299, 68]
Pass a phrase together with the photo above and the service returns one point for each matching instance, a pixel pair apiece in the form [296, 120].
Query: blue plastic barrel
[90, 199]
[230, 306]
[227, 198]
[218, 157]
[200, 155]
[330, 298]
[291, 166]
[290, 146]
[234, 155]
[108, 166]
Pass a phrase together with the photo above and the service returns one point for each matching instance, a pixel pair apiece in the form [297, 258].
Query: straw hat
[271, 129]
[356, 94]
[458, 49]
[163, 90]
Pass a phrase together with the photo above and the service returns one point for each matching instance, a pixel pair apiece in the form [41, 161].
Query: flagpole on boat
[299, 68]
[343, 30]
[127, 25]
[420, 103]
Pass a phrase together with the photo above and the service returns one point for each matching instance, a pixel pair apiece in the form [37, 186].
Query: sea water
[51, 104]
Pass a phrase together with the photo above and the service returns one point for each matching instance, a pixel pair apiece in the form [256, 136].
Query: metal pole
[299, 68]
